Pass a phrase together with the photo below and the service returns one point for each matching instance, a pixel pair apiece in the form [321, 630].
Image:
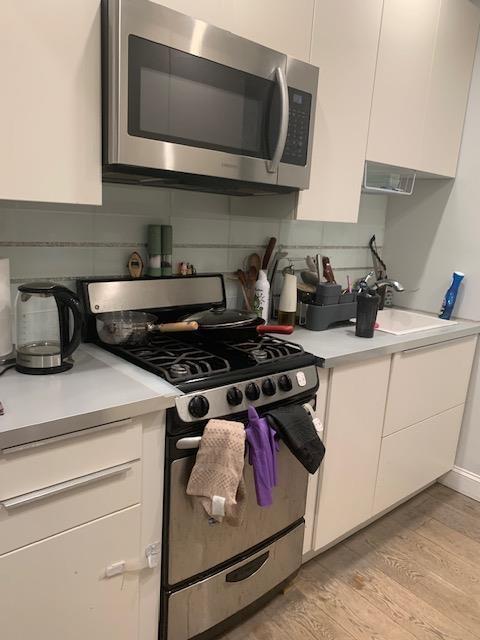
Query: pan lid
[222, 318]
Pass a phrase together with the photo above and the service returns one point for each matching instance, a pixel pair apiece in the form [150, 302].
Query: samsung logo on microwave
[229, 165]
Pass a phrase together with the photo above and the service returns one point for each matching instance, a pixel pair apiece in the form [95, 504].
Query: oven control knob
[285, 383]
[234, 396]
[198, 406]
[269, 387]
[252, 391]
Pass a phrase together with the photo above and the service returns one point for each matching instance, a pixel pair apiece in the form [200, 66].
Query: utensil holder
[320, 317]
[328, 293]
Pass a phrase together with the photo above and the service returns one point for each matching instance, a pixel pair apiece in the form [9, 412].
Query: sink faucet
[388, 283]
[370, 282]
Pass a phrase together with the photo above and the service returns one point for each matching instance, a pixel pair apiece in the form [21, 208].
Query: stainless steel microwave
[186, 104]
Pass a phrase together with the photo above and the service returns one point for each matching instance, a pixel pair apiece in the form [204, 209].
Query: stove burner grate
[266, 349]
[177, 361]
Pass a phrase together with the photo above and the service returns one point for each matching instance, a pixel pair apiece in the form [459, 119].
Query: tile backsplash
[214, 232]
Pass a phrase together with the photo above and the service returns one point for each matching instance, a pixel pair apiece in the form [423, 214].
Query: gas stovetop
[191, 362]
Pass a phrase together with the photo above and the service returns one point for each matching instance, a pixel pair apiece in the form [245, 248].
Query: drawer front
[412, 458]
[57, 589]
[427, 381]
[57, 460]
[199, 607]
[33, 517]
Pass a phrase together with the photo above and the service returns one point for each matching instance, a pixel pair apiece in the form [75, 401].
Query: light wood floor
[414, 574]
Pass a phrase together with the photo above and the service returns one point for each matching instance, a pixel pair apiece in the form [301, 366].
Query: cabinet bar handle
[62, 487]
[66, 436]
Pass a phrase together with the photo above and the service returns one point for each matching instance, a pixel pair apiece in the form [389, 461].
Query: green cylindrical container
[167, 249]
[154, 250]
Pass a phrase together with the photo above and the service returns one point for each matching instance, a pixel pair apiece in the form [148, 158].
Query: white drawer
[63, 458]
[427, 381]
[413, 457]
[42, 513]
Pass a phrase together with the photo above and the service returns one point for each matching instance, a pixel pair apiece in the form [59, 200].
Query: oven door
[197, 544]
[188, 97]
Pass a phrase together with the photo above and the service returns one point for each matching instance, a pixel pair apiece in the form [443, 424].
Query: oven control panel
[237, 397]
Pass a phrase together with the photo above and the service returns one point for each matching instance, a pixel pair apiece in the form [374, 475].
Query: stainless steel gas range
[213, 574]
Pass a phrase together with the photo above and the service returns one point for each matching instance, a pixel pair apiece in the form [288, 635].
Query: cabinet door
[50, 112]
[407, 42]
[285, 26]
[344, 47]
[427, 381]
[414, 457]
[57, 589]
[452, 66]
[354, 423]
[313, 480]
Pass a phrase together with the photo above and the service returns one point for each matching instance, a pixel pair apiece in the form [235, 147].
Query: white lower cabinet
[56, 589]
[412, 458]
[353, 431]
[391, 427]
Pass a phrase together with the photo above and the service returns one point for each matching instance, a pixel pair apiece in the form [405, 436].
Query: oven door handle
[247, 570]
[281, 78]
[189, 443]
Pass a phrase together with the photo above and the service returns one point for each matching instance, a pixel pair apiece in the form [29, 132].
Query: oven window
[181, 98]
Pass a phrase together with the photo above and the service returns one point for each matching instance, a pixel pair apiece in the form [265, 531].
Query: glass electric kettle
[45, 340]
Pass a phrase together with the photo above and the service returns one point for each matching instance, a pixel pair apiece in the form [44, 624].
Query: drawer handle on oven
[41, 494]
[248, 569]
[189, 443]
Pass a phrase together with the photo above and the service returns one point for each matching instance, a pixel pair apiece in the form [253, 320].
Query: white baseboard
[463, 481]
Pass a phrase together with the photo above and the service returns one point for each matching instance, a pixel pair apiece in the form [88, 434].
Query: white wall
[434, 233]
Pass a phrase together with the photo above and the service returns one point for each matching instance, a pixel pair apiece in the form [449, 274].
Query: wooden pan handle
[172, 327]
[284, 329]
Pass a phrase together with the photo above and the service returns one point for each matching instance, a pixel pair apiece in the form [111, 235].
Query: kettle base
[65, 366]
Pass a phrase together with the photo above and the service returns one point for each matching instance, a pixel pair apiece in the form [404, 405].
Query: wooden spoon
[268, 253]
[243, 285]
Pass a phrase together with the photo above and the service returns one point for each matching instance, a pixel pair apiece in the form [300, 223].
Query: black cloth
[295, 427]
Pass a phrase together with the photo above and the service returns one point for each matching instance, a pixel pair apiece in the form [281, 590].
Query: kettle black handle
[68, 299]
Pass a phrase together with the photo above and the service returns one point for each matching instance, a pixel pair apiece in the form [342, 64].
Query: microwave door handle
[281, 78]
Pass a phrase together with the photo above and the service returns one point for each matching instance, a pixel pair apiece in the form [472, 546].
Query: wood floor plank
[348, 608]
[467, 524]
[419, 618]
[289, 617]
[451, 540]
[443, 596]
[425, 553]
[454, 499]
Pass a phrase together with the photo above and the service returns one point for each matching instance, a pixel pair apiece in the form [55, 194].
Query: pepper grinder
[287, 307]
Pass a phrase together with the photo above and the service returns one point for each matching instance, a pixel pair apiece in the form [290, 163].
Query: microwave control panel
[296, 146]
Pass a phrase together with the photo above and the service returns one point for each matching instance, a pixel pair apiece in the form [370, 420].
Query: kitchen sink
[400, 322]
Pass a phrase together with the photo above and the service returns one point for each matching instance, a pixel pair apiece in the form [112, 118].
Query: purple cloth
[262, 455]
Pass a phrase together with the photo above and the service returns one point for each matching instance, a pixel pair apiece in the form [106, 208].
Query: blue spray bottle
[451, 296]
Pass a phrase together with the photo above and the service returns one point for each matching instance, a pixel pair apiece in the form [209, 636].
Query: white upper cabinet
[50, 115]
[344, 47]
[424, 68]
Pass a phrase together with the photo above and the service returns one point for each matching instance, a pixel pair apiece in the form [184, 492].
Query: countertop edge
[71, 424]
[406, 345]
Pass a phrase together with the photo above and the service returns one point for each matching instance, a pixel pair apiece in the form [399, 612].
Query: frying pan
[134, 327]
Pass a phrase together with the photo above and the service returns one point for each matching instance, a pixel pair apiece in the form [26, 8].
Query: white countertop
[100, 388]
[340, 345]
